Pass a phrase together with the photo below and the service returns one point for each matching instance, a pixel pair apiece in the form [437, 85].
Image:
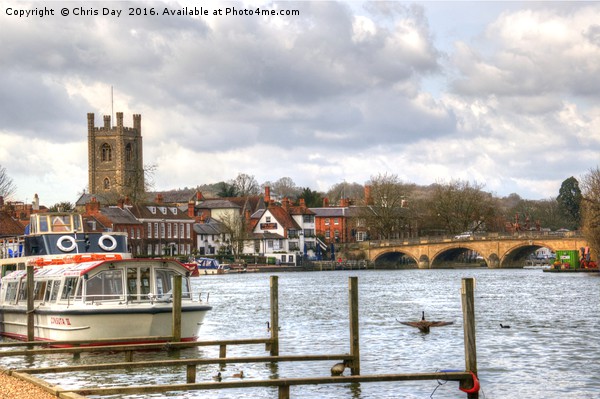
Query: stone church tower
[115, 162]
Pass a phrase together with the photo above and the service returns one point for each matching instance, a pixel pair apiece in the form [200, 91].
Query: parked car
[463, 236]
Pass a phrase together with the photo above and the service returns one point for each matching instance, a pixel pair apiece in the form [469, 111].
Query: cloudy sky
[500, 93]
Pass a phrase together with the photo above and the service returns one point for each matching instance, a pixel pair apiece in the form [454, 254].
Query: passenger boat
[200, 266]
[102, 299]
[87, 286]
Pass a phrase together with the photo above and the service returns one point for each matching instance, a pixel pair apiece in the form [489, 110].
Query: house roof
[10, 226]
[161, 211]
[283, 217]
[331, 212]
[209, 228]
[119, 216]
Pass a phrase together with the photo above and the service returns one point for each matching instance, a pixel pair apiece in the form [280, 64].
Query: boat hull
[97, 324]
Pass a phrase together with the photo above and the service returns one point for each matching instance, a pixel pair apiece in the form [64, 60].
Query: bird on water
[217, 377]
[239, 375]
[338, 368]
[503, 326]
[424, 325]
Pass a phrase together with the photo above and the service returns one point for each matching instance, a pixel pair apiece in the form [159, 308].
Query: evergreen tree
[569, 201]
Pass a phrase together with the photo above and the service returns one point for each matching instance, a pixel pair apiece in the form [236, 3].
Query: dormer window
[152, 209]
[173, 210]
[163, 209]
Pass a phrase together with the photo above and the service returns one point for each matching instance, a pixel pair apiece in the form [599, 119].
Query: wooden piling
[30, 309]
[274, 283]
[468, 306]
[354, 336]
[190, 375]
[177, 284]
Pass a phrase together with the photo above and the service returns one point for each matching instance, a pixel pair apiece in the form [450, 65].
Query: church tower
[115, 161]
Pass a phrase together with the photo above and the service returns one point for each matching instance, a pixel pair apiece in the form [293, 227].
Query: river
[550, 351]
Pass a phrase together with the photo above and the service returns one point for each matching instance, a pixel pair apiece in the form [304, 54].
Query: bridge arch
[458, 254]
[395, 258]
[517, 255]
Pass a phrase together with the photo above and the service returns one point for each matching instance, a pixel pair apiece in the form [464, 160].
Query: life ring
[113, 242]
[66, 248]
[474, 388]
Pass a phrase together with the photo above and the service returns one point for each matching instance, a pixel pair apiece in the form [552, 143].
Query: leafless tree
[284, 187]
[353, 191]
[246, 185]
[462, 206]
[7, 186]
[590, 204]
[385, 212]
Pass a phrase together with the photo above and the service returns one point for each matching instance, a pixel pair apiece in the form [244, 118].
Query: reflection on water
[550, 351]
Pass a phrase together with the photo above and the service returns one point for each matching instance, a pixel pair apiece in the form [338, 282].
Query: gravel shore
[14, 388]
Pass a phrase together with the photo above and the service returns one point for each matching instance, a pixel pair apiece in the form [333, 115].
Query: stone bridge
[495, 250]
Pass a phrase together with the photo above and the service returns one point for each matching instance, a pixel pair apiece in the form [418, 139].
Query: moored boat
[101, 299]
[200, 266]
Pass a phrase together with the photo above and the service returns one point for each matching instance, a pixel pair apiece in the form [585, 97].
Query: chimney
[121, 203]
[302, 203]
[159, 199]
[344, 202]
[325, 202]
[127, 200]
[191, 209]
[267, 195]
[368, 199]
[92, 207]
[198, 196]
[285, 203]
[36, 203]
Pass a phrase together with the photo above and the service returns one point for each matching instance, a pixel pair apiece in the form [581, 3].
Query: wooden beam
[468, 306]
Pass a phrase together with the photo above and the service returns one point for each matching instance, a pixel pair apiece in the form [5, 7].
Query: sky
[504, 94]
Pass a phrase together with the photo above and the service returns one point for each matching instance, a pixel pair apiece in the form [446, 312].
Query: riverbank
[15, 388]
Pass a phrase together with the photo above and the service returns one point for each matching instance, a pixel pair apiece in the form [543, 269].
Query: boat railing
[12, 247]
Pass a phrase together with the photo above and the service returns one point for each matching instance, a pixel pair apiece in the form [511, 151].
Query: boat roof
[79, 269]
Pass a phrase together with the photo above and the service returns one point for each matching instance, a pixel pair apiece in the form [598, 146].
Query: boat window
[11, 291]
[164, 284]
[145, 280]
[105, 285]
[23, 291]
[39, 290]
[43, 224]
[132, 282]
[54, 293]
[48, 291]
[69, 288]
[61, 223]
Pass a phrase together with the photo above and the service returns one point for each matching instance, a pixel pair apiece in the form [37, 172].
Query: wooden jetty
[467, 379]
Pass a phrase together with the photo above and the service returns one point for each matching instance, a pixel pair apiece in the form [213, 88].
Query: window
[106, 183]
[106, 152]
[308, 218]
[155, 230]
[69, 288]
[149, 230]
[188, 230]
[268, 219]
[327, 234]
[336, 221]
[152, 209]
[105, 285]
[128, 152]
[361, 236]
[169, 231]
[181, 230]
[326, 221]
[164, 285]
[162, 230]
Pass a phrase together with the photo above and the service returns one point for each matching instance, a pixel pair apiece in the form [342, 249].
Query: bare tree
[462, 206]
[246, 185]
[236, 228]
[343, 190]
[284, 187]
[385, 213]
[7, 187]
[590, 206]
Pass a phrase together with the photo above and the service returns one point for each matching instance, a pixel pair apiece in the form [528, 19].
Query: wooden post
[274, 315]
[354, 337]
[128, 356]
[222, 355]
[190, 376]
[468, 306]
[284, 392]
[30, 314]
[177, 308]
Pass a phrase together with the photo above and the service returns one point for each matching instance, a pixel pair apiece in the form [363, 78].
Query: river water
[552, 349]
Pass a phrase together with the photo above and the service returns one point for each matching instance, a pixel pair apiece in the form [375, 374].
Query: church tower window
[106, 153]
